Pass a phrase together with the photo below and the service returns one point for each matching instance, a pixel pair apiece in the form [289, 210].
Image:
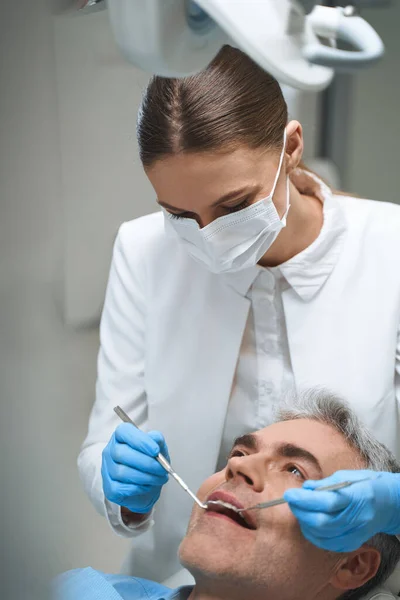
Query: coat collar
[308, 271]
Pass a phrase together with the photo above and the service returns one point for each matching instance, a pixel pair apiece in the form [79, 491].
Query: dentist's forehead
[242, 158]
[323, 441]
[211, 174]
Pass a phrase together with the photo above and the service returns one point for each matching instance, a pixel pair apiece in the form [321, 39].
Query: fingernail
[309, 484]
[156, 437]
[155, 450]
[290, 495]
[152, 446]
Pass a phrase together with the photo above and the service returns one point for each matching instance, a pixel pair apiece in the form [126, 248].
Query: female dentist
[253, 280]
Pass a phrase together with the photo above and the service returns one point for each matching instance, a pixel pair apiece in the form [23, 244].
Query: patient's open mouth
[220, 503]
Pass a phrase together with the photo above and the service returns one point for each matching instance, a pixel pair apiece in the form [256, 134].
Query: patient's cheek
[210, 484]
[203, 492]
[288, 524]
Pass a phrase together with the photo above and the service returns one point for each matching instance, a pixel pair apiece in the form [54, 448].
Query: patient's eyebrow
[249, 441]
[293, 451]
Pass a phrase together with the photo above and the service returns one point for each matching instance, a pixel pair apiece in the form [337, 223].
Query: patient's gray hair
[325, 407]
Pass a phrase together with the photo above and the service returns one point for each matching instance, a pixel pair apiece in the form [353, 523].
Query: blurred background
[69, 176]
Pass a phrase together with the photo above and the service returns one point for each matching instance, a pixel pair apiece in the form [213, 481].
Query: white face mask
[236, 241]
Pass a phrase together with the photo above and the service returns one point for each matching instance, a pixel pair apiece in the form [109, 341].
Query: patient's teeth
[225, 504]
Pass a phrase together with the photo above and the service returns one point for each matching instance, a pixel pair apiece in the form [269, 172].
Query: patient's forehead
[323, 441]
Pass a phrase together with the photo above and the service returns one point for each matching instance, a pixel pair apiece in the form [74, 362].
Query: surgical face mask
[236, 241]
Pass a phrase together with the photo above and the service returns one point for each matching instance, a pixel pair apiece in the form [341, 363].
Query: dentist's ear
[356, 569]
[294, 146]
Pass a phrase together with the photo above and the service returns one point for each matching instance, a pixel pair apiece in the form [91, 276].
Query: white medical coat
[170, 338]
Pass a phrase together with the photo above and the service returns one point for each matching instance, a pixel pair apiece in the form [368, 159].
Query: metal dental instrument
[326, 488]
[162, 460]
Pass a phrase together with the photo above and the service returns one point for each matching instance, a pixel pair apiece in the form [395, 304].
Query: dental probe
[326, 488]
[162, 460]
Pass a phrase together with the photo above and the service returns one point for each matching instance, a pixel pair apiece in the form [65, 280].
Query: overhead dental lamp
[294, 40]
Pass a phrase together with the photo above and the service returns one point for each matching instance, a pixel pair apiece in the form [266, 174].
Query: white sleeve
[397, 385]
[120, 374]
[397, 371]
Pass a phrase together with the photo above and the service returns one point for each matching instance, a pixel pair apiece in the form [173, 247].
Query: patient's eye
[236, 453]
[296, 471]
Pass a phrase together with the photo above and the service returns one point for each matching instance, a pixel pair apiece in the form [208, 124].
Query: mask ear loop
[287, 182]
[280, 165]
[287, 201]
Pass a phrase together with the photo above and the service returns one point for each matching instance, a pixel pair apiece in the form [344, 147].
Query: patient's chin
[199, 555]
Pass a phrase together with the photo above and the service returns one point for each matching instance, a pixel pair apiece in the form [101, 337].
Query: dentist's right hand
[132, 477]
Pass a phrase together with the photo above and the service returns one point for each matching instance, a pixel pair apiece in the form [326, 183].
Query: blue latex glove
[343, 520]
[132, 477]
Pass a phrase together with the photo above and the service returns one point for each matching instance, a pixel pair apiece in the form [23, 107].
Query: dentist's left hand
[132, 477]
[343, 520]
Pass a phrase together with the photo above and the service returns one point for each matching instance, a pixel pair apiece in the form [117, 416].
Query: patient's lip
[227, 497]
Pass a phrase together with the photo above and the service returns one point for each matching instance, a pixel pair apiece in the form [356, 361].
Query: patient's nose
[247, 468]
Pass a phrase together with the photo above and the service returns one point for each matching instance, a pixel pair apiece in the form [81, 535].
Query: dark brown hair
[231, 102]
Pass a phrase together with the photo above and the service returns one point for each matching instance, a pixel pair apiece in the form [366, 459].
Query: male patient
[263, 555]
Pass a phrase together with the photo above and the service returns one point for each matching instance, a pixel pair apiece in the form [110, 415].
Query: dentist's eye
[180, 215]
[244, 204]
[296, 472]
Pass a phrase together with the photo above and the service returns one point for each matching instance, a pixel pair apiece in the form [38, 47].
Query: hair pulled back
[232, 102]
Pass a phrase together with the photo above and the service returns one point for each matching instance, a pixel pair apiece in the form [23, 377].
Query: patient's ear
[359, 567]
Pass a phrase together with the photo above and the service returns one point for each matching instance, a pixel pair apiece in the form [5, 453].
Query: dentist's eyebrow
[246, 191]
[170, 207]
[293, 451]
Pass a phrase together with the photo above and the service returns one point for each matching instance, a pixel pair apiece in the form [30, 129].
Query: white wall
[47, 372]
[29, 204]
[374, 132]
[103, 183]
